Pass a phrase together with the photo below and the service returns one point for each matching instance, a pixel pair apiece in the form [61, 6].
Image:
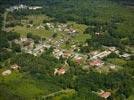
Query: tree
[16, 47]
[29, 35]
[54, 35]
[12, 35]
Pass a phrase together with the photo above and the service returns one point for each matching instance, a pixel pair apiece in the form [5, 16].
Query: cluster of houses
[123, 55]
[62, 28]
[62, 53]
[21, 6]
[55, 27]
[94, 59]
[29, 46]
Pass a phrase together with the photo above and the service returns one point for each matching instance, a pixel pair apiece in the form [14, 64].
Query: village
[61, 39]
[91, 60]
[21, 7]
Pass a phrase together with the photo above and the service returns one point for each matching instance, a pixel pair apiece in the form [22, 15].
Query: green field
[117, 61]
[25, 86]
[24, 30]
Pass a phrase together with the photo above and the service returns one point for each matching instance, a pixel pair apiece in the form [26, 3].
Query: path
[58, 92]
[4, 21]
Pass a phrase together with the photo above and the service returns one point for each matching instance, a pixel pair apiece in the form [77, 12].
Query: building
[97, 33]
[67, 54]
[96, 62]
[93, 53]
[59, 71]
[57, 53]
[126, 55]
[104, 94]
[112, 66]
[112, 49]
[34, 7]
[7, 72]
[101, 55]
[78, 60]
[21, 6]
[15, 67]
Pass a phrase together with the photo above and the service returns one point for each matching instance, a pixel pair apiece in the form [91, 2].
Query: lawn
[38, 19]
[117, 61]
[79, 27]
[82, 37]
[131, 97]
[25, 30]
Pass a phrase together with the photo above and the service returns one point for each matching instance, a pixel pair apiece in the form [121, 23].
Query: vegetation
[99, 23]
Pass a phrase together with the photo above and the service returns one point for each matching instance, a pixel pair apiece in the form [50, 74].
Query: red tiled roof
[105, 94]
[95, 62]
[78, 60]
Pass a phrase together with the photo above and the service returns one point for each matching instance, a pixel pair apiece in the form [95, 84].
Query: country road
[55, 93]
[4, 21]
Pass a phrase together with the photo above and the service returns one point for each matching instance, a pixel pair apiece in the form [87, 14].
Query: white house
[7, 72]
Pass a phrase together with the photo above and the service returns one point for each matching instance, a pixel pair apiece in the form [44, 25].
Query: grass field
[24, 30]
[66, 95]
[117, 61]
[26, 87]
[38, 19]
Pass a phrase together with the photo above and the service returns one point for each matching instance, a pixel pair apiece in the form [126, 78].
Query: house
[112, 66]
[66, 54]
[15, 67]
[96, 62]
[78, 60]
[39, 49]
[57, 53]
[112, 49]
[34, 7]
[97, 33]
[7, 72]
[93, 53]
[104, 94]
[40, 27]
[59, 71]
[23, 39]
[126, 55]
[102, 55]
[117, 52]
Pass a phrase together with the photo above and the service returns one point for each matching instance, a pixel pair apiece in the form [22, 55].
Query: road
[58, 92]
[4, 21]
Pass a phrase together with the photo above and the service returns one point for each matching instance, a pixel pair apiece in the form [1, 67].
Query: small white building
[125, 55]
[7, 72]
[15, 67]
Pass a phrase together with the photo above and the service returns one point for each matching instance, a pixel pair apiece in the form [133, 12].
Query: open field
[25, 30]
[117, 61]
[28, 88]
